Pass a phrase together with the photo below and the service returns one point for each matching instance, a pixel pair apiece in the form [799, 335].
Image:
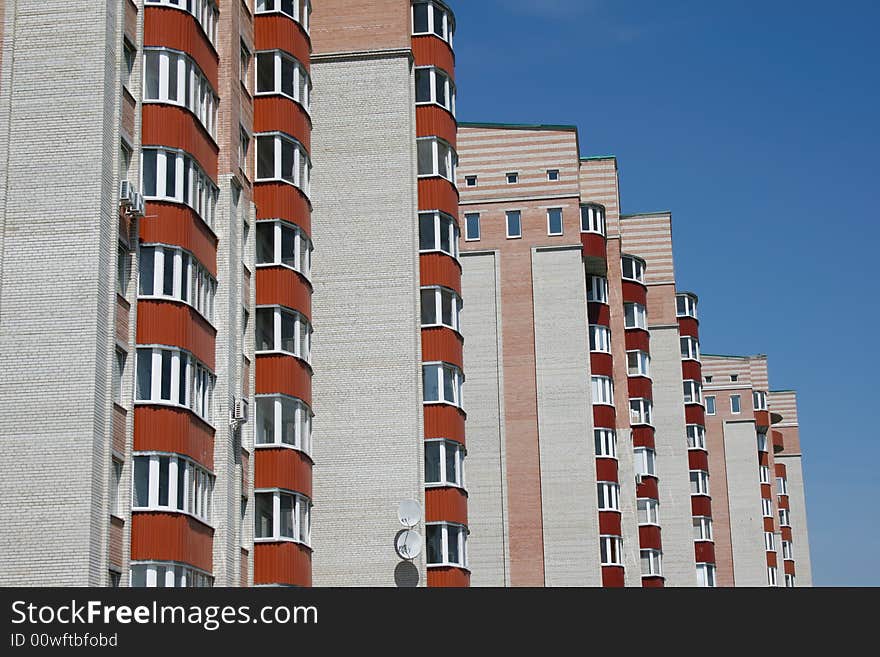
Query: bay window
[789, 581]
[444, 463]
[173, 77]
[442, 384]
[434, 85]
[762, 442]
[611, 550]
[280, 157]
[638, 363]
[690, 348]
[706, 575]
[282, 516]
[603, 390]
[171, 482]
[764, 474]
[170, 272]
[645, 461]
[633, 268]
[600, 338]
[609, 495]
[204, 11]
[283, 421]
[298, 10]
[781, 486]
[648, 510]
[283, 330]
[279, 73]
[651, 561]
[686, 306]
[771, 576]
[696, 436]
[167, 574]
[438, 232]
[441, 307]
[175, 176]
[693, 392]
[641, 411]
[446, 544]
[283, 244]
[784, 518]
[786, 550]
[433, 18]
[767, 508]
[702, 528]
[635, 316]
[172, 376]
[759, 399]
[597, 289]
[593, 219]
[699, 482]
[606, 443]
[436, 158]
[769, 542]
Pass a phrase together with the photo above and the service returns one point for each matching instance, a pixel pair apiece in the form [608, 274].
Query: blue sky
[758, 125]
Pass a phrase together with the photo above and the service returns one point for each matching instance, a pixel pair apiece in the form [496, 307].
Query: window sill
[284, 182]
[434, 103]
[283, 539]
[285, 266]
[443, 403]
[445, 485]
[259, 446]
[281, 352]
[178, 512]
[448, 565]
[169, 404]
[156, 297]
[281, 94]
[442, 252]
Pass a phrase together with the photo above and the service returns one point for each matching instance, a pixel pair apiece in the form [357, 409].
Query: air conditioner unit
[137, 206]
[240, 410]
[126, 193]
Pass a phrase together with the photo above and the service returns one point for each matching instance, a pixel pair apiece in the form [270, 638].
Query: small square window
[512, 178]
[708, 379]
[470, 181]
[129, 52]
[472, 226]
[553, 175]
[514, 224]
[734, 377]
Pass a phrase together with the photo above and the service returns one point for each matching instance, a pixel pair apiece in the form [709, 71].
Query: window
[446, 544]
[442, 384]
[641, 411]
[690, 348]
[784, 518]
[124, 159]
[169, 175]
[686, 305]
[472, 226]
[771, 576]
[284, 244]
[283, 421]
[769, 542]
[593, 219]
[129, 53]
[432, 18]
[173, 77]
[767, 508]
[282, 516]
[759, 399]
[119, 375]
[764, 473]
[702, 528]
[699, 482]
[635, 316]
[611, 550]
[708, 379]
[115, 487]
[789, 581]
[600, 338]
[710, 405]
[762, 442]
[706, 575]
[633, 268]
[606, 443]
[170, 272]
[436, 158]
[734, 377]
[651, 563]
[438, 232]
[786, 550]
[609, 495]
[169, 375]
[597, 289]
[554, 221]
[433, 85]
[115, 579]
[244, 147]
[645, 461]
[298, 10]
[170, 482]
[735, 405]
[204, 11]
[441, 307]
[512, 178]
[693, 392]
[696, 436]
[514, 223]
[244, 63]
[470, 181]
[553, 175]
[122, 270]
[648, 510]
[638, 363]
[781, 486]
[283, 158]
[279, 73]
[603, 390]
[283, 330]
[167, 574]
[444, 463]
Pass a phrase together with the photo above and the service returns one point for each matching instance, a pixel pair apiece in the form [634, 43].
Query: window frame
[709, 401]
[199, 97]
[759, 400]
[508, 215]
[512, 177]
[689, 306]
[198, 387]
[303, 418]
[461, 534]
[302, 11]
[690, 347]
[453, 233]
[608, 496]
[192, 284]
[193, 187]
[650, 509]
[301, 517]
[448, 28]
[302, 341]
[636, 266]
[602, 390]
[467, 227]
[706, 580]
[551, 173]
[642, 365]
[605, 443]
[699, 438]
[738, 399]
[441, 368]
[692, 391]
[450, 159]
[198, 485]
[439, 292]
[784, 517]
[550, 231]
[597, 289]
[435, 72]
[181, 573]
[460, 453]
[702, 528]
[302, 163]
[302, 247]
[767, 509]
[301, 92]
[610, 548]
[699, 484]
[468, 179]
[644, 413]
[654, 561]
[208, 15]
[645, 461]
[600, 339]
[639, 316]
[595, 219]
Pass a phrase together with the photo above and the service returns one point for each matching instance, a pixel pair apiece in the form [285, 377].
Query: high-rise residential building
[269, 309]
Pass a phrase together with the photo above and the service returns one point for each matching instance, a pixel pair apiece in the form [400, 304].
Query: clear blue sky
[758, 125]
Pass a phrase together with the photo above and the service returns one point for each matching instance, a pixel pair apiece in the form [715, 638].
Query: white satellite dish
[409, 513]
[408, 544]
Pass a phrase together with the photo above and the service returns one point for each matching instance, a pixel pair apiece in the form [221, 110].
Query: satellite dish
[409, 513]
[408, 544]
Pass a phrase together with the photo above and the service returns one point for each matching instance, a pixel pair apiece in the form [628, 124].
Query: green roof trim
[598, 157]
[519, 126]
[782, 391]
[658, 213]
[732, 356]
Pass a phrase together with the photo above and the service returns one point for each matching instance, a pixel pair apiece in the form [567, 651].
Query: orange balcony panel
[281, 113]
[635, 292]
[762, 418]
[601, 364]
[698, 460]
[446, 504]
[281, 467]
[771, 559]
[430, 50]
[689, 326]
[448, 577]
[639, 387]
[442, 344]
[175, 430]
[780, 470]
[180, 225]
[606, 469]
[691, 369]
[643, 436]
[279, 32]
[704, 552]
[278, 200]
[277, 373]
[443, 421]
[782, 502]
[434, 121]
[599, 313]
[171, 537]
[695, 414]
[613, 577]
[766, 492]
[604, 416]
[769, 524]
[648, 488]
[176, 324]
[649, 537]
[170, 125]
[786, 534]
[788, 567]
[701, 505]
[282, 563]
[653, 582]
[438, 194]
[285, 287]
[440, 269]
[638, 339]
[763, 458]
[609, 523]
[173, 28]
[593, 246]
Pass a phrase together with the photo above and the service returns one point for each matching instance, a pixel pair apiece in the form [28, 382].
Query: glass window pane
[151, 68]
[423, 85]
[288, 332]
[426, 157]
[287, 509]
[265, 329]
[166, 375]
[432, 462]
[472, 227]
[429, 307]
[448, 385]
[452, 543]
[265, 242]
[420, 18]
[431, 384]
[263, 515]
[451, 464]
[265, 157]
[149, 172]
[288, 246]
[433, 544]
[265, 72]
[427, 240]
[141, 481]
[163, 480]
[265, 429]
[147, 265]
[446, 299]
